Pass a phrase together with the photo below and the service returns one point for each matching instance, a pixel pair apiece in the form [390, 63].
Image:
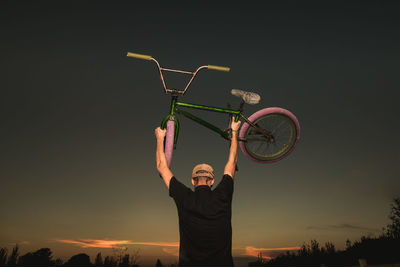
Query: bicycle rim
[283, 136]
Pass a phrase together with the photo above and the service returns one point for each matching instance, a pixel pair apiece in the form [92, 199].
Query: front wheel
[272, 136]
[169, 141]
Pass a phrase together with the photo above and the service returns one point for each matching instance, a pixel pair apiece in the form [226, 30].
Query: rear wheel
[276, 134]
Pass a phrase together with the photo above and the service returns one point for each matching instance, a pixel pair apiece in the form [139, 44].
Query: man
[204, 214]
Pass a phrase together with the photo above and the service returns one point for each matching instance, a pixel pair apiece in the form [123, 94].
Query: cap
[203, 170]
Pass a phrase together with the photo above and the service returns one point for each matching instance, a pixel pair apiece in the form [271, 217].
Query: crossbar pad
[248, 97]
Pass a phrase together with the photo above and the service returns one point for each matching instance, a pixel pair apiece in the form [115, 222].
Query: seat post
[241, 106]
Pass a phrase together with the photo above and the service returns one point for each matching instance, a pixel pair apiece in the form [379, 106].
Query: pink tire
[281, 124]
[169, 141]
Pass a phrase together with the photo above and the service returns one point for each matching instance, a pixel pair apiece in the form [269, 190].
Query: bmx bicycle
[268, 135]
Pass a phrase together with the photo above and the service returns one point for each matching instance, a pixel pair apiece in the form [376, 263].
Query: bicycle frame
[175, 109]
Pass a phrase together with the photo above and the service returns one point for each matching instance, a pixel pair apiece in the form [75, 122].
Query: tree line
[384, 249]
[44, 258]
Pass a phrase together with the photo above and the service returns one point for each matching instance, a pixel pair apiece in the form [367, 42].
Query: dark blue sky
[77, 143]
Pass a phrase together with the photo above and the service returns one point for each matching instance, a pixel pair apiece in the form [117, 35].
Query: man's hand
[235, 125]
[161, 160]
[160, 133]
[230, 166]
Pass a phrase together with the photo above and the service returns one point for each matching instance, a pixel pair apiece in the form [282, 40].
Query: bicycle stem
[174, 91]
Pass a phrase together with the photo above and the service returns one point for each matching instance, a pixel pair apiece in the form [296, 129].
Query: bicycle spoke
[278, 127]
[281, 129]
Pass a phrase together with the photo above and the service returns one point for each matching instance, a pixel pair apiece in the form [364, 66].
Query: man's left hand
[235, 125]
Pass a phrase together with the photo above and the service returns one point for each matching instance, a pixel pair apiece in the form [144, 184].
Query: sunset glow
[172, 251]
[171, 248]
[93, 243]
[258, 252]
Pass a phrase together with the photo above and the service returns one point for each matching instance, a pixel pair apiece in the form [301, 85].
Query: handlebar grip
[139, 56]
[213, 67]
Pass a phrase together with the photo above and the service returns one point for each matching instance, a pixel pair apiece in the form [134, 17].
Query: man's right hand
[161, 160]
[160, 133]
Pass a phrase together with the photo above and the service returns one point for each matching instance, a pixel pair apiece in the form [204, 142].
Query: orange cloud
[258, 252]
[171, 248]
[93, 243]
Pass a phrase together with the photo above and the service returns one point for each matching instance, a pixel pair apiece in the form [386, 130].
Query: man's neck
[202, 183]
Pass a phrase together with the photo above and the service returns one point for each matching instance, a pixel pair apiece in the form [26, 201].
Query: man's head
[203, 174]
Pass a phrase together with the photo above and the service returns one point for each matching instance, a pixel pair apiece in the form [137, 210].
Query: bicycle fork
[171, 116]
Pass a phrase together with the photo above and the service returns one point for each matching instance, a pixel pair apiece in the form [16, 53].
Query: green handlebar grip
[139, 56]
[213, 67]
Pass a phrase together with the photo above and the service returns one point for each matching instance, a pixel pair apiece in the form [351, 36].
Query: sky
[77, 145]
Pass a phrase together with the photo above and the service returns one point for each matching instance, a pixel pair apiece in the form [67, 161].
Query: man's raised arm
[230, 166]
[161, 160]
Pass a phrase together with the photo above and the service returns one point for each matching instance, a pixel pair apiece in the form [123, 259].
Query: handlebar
[139, 56]
[161, 70]
[147, 57]
[219, 68]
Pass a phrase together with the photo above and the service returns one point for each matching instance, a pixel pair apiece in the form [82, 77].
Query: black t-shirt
[204, 223]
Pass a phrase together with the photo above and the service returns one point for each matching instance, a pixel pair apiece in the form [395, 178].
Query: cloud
[171, 248]
[350, 226]
[267, 253]
[172, 251]
[94, 243]
[344, 226]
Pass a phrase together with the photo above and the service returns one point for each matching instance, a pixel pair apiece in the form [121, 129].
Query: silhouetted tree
[348, 243]
[393, 229]
[12, 260]
[159, 264]
[330, 248]
[3, 257]
[99, 260]
[135, 258]
[259, 262]
[41, 257]
[79, 260]
[26, 260]
[315, 250]
[110, 261]
[304, 250]
[119, 254]
[125, 261]
[58, 262]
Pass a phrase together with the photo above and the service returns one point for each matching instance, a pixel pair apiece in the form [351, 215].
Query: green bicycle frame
[174, 109]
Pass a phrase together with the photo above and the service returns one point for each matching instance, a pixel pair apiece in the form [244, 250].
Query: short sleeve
[225, 188]
[177, 190]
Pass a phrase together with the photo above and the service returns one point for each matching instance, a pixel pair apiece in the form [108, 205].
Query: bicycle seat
[248, 97]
